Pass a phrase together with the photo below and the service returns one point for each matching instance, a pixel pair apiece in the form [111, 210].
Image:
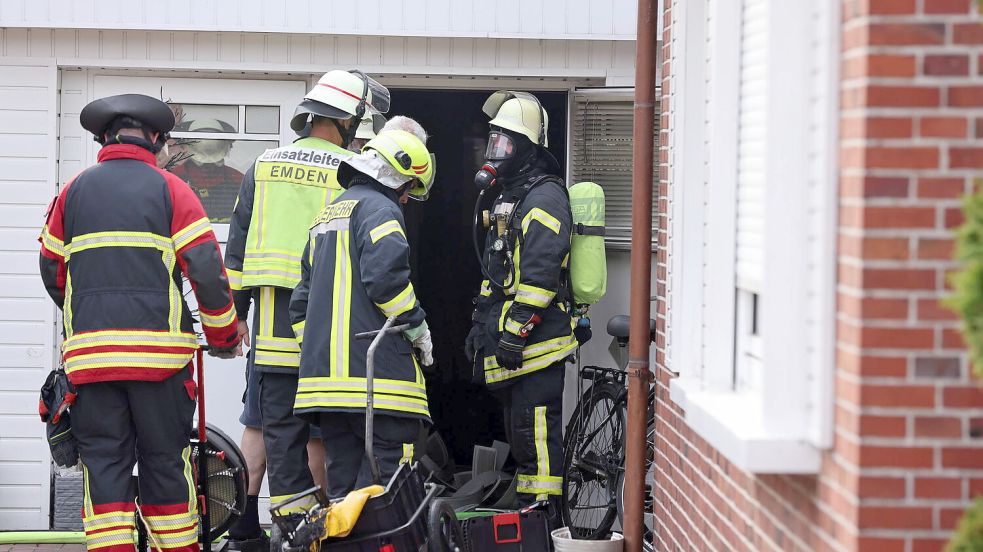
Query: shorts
[251, 416]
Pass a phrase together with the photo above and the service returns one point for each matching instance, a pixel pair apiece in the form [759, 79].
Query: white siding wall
[28, 118]
[588, 61]
[593, 19]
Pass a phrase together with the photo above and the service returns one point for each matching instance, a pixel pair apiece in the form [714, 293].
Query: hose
[42, 537]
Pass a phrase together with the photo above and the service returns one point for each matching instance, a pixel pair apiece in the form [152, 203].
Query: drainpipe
[639, 339]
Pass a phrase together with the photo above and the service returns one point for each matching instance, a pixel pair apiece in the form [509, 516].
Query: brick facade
[908, 446]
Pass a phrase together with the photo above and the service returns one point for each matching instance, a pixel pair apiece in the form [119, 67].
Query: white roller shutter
[752, 145]
[601, 152]
[28, 115]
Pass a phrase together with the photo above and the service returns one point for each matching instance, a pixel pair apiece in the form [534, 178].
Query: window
[601, 146]
[212, 146]
[751, 228]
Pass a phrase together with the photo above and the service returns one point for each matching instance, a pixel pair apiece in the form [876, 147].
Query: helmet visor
[500, 146]
[377, 96]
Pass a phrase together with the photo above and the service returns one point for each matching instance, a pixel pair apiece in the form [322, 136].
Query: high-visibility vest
[293, 183]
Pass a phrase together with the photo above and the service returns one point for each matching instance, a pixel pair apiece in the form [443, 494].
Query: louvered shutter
[601, 136]
[752, 144]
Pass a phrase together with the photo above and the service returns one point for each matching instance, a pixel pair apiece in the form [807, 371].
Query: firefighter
[521, 334]
[280, 194]
[367, 129]
[356, 273]
[117, 240]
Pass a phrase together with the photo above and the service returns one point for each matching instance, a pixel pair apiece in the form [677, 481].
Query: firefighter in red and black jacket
[117, 240]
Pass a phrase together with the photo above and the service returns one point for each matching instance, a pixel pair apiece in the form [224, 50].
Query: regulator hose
[477, 249]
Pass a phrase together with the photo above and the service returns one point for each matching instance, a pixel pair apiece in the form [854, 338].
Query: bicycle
[594, 450]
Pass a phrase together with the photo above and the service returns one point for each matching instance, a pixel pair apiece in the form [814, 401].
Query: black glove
[509, 352]
[473, 340]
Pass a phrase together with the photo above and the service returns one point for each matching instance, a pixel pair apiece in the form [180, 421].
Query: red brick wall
[908, 447]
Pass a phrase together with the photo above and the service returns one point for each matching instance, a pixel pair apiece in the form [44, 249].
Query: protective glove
[509, 351]
[231, 351]
[419, 337]
[424, 345]
[471, 342]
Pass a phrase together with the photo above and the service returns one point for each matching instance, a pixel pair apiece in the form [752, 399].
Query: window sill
[732, 423]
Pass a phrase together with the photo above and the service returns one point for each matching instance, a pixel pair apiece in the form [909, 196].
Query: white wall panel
[587, 19]
[28, 127]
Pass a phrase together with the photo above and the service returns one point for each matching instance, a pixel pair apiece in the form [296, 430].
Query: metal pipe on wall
[639, 341]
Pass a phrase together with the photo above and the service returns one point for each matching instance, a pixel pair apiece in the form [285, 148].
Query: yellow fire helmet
[393, 158]
[519, 112]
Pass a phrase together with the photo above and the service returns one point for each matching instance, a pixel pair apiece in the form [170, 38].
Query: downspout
[639, 339]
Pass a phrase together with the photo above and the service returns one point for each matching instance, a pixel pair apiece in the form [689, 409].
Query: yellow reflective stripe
[359, 385]
[485, 288]
[494, 373]
[109, 538]
[531, 484]
[67, 314]
[218, 320]
[542, 217]
[235, 278]
[112, 519]
[403, 302]
[299, 330]
[87, 512]
[278, 358]
[52, 243]
[301, 505]
[174, 298]
[279, 344]
[357, 401]
[189, 478]
[265, 312]
[539, 436]
[386, 228]
[512, 326]
[273, 255]
[191, 232]
[341, 322]
[164, 361]
[130, 338]
[407, 456]
[118, 239]
[535, 296]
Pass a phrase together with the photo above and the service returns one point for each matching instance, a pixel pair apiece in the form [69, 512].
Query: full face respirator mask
[504, 155]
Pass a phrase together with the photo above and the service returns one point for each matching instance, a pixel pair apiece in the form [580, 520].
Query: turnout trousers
[148, 423]
[344, 448]
[533, 417]
[285, 437]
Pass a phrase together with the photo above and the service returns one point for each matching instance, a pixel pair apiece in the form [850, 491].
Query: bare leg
[315, 461]
[255, 454]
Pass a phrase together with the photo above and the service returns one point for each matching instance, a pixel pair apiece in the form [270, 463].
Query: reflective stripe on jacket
[279, 197]
[540, 252]
[116, 241]
[355, 274]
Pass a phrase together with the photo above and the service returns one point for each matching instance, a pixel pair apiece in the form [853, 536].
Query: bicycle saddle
[618, 327]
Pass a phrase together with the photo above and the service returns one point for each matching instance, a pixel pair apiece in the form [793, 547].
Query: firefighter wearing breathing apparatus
[521, 334]
[356, 274]
[280, 194]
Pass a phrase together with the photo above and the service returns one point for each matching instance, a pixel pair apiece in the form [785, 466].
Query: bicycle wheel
[648, 514]
[593, 460]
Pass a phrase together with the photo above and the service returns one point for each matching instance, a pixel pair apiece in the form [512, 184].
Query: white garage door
[28, 119]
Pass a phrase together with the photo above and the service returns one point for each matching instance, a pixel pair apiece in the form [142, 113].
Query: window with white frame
[752, 145]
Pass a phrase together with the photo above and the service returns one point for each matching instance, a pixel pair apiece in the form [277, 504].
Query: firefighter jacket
[116, 242]
[539, 245]
[280, 196]
[356, 273]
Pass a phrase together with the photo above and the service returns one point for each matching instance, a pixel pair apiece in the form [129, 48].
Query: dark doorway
[445, 267]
